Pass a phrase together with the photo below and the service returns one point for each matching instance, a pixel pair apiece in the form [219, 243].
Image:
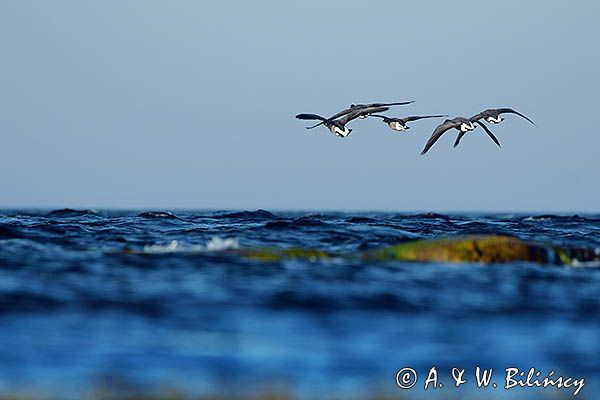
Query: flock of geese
[337, 123]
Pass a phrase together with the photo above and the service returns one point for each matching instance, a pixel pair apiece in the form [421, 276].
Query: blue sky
[187, 104]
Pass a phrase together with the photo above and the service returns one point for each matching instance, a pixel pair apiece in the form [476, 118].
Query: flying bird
[368, 108]
[463, 125]
[493, 115]
[399, 124]
[338, 126]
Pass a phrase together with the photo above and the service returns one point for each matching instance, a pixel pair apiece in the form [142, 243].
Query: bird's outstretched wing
[361, 112]
[487, 130]
[417, 117]
[354, 107]
[342, 113]
[372, 110]
[353, 115]
[511, 111]
[380, 116]
[459, 137]
[479, 116]
[335, 116]
[402, 103]
[438, 132]
[311, 117]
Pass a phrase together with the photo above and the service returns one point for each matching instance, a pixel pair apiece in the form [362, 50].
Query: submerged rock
[479, 248]
[484, 249]
[271, 254]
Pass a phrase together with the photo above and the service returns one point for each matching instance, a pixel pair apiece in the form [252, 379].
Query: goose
[493, 116]
[399, 124]
[354, 107]
[338, 126]
[463, 125]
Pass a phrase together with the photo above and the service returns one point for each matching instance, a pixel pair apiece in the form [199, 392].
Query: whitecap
[218, 244]
[175, 246]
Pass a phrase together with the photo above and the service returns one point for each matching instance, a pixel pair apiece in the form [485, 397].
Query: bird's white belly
[340, 132]
[397, 126]
[464, 127]
[494, 120]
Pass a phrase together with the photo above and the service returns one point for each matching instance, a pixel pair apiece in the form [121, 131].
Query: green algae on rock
[480, 248]
[272, 254]
[483, 249]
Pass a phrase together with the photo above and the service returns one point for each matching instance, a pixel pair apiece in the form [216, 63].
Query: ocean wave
[295, 223]
[93, 287]
[247, 215]
[8, 232]
[158, 215]
[560, 218]
[71, 213]
[431, 215]
[360, 220]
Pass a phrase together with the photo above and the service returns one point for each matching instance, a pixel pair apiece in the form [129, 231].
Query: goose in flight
[461, 124]
[364, 107]
[493, 115]
[399, 124]
[338, 126]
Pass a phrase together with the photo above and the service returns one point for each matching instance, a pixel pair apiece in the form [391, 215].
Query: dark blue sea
[149, 302]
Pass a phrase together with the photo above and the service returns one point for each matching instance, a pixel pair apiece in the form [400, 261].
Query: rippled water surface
[77, 310]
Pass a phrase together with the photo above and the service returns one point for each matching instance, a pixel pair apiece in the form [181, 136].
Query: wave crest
[175, 246]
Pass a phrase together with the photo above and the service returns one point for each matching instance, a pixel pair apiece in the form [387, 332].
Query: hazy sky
[190, 104]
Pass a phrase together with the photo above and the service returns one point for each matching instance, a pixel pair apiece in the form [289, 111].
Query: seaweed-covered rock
[480, 248]
[474, 249]
[271, 254]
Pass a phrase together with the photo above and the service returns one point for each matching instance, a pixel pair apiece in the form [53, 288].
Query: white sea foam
[175, 246]
[218, 244]
[587, 264]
